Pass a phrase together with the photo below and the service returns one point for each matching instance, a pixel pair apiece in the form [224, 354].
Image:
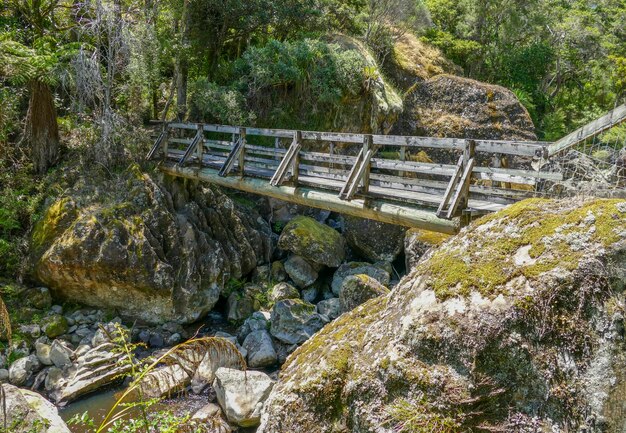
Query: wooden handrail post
[166, 140]
[468, 155]
[200, 146]
[367, 146]
[242, 153]
[295, 170]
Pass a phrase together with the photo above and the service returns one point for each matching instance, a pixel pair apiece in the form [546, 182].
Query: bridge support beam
[404, 215]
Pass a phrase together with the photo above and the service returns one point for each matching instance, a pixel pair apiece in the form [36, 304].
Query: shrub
[212, 103]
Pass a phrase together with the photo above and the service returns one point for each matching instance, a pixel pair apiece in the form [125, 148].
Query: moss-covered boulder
[54, 326]
[313, 241]
[155, 249]
[516, 324]
[451, 106]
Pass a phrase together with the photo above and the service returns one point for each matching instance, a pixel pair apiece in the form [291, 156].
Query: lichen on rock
[527, 336]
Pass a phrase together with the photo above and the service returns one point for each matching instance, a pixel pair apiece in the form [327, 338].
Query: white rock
[211, 415]
[60, 355]
[27, 411]
[43, 353]
[22, 369]
[261, 352]
[4, 375]
[242, 394]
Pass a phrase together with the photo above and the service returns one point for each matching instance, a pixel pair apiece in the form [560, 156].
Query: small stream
[100, 402]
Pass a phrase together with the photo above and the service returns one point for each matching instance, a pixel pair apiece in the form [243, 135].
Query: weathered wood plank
[509, 147]
[392, 213]
[610, 119]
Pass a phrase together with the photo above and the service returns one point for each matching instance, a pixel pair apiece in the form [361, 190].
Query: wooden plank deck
[369, 185]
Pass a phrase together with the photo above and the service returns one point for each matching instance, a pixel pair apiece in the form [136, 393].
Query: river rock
[311, 294]
[31, 331]
[43, 353]
[60, 355]
[54, 325]
[373, 240]
[282, 291]
[23, 369]
[242, 394]
[212, 418]
[164, 381]
[106, 333]
[277, 272]
[315, 242]
[242, 303]
[519, 296]
[260, 349]
[29, 412]
[293, 321]
[38, 297]
[257, 322]
[356, 289]
[330, 308]
[155, 250]
[98, 367]
[4, 375]
[301, 272]
[355, 268]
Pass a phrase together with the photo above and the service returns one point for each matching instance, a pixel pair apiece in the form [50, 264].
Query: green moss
[54, 221]
[484, 262]
[420, 417]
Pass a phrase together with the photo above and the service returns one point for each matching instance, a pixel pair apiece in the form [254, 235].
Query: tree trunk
[182, 66]
[41, 132]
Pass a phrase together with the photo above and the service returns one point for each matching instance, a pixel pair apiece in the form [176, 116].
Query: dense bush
[211, 103]
[311, 75]
[20, 198]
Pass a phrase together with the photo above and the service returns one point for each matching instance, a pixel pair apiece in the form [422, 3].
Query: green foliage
[20, 198]
[212, 103]
[299, 83]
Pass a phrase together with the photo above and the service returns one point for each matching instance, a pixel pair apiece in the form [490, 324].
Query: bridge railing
[474, 176]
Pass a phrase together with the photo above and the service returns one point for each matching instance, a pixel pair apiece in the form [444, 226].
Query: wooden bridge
[380, 177]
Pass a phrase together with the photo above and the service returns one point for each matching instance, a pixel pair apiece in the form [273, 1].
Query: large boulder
[153, 250]
[294, 321]
[514, 325]
[25, 411]
[356, 289]
[373, 240]
[315, 242]
[241, 394]
[451, 106]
